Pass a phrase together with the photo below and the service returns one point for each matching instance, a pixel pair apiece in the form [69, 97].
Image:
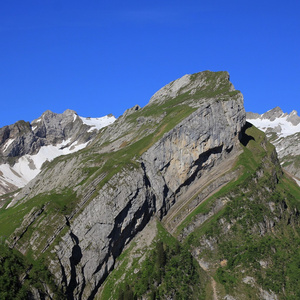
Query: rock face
[165, 173]
[283, 130]
[142, 165]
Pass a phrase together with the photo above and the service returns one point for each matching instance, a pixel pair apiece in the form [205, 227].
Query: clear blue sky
[99, 57]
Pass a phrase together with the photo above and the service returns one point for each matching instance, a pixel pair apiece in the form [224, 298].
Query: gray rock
[111, 212]
[126, 203]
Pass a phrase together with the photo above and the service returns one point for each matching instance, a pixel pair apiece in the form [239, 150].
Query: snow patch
[7, 144]
[36, 121]
[28, 166]
[98, 123]
[282, 125]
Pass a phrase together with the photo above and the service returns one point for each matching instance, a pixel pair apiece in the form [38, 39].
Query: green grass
[165, 268]
[12, 217]
[243, 246]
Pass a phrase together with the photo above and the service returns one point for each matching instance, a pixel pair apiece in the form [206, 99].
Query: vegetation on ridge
[251, 244]
[254, 240]
[164, 269]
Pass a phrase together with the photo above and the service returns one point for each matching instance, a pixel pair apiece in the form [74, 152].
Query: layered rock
[167, 171]
[137, 168]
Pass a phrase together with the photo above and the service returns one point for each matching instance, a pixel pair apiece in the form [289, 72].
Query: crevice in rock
[74, 261]
[146, 178]
[120, 237]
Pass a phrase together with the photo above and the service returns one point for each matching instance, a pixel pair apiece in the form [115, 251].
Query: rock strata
[117, 191]
[168, 170]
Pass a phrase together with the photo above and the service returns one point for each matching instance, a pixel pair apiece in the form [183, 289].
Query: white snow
[28, 166]
[7, 144]
[98, 123]
[287, 128]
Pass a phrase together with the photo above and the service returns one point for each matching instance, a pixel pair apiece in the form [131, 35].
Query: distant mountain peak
[24, 146]
[284, 124]
[283, 130]
[273, 114]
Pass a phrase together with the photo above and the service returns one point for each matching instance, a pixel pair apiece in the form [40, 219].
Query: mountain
[24, 146]
[180, 199]
[283, 130]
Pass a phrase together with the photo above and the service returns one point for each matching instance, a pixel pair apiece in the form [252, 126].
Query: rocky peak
[273, 114]
[191, 84]
[293, 118]
[145, 163]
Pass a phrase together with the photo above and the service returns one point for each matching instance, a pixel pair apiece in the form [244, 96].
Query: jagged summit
[275, 120]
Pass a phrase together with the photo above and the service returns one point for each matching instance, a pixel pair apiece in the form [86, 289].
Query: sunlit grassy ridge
[263, 230]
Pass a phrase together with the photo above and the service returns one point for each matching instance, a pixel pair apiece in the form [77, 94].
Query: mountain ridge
[188, 166]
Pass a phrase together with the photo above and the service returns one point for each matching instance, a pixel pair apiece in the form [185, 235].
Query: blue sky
[101, 57]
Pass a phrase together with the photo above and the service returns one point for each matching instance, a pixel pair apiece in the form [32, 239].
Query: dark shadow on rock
[244, 137]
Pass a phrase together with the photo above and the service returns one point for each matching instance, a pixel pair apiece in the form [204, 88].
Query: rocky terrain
[283, 130]
[170, 201]
[25, 146]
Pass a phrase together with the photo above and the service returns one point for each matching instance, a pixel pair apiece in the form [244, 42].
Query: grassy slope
[257, 233]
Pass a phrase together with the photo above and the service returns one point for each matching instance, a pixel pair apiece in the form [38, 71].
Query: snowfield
[282, 126]
[98, 123]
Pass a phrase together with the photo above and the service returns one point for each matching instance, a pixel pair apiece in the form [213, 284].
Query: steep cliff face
[148, 161]
[167, 171]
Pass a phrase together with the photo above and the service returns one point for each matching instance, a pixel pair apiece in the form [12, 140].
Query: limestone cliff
[96, 200]
[167, 172]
